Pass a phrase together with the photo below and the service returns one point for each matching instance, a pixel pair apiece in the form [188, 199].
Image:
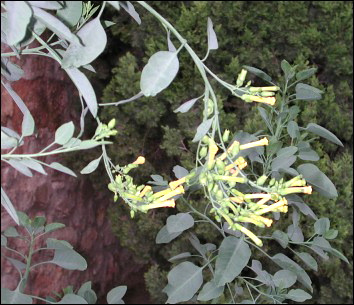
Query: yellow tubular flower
[174, 184]
[161, 193]
[145, 190]
[251, 220]
[236, 199]
[165, 204]
[213, 149]
[247, 232]
[255, 196]
[140, 160]
[224, 155]
[264, 200]
[177, 191]
[240, 162]
[261, 142]
[274, 206]
[268, 222]
[270, 88]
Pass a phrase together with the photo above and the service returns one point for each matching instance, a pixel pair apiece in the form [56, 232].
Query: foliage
[229, 192]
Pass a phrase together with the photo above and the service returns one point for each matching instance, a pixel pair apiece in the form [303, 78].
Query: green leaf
[129, 8]
[330, 234]
[159, 72]
[3, 241]
[186, 106]
[184, 281]
[202, 130]
[304, 74]
[287, 69]
[259, 73]
[23, 169]
[287, 263]
[322, 243]
[14, 297]
[298, 295]
[84, 86]
[27, 125]
[70, 14]
[212, 39]
[179, 256]
[233, 256]
[64, 133]
[72, 299]
[179, 223]
[319, 180]
[33, 164]
[304, 208]
[53, 243]
[294, 111]
[284, 278]
[53, 226]
[180, 171]
[115, 295]
[8, 206]
[295, 234]
[293, 129]
[307, 92]
[62, 168]
[8, 141]
[11, 232]
[54, 24]
[264, 116]
[283, 162]
[323, 132]
[308, 260]
[19, 14]
[11, 71]
[287, 151]
[322, 225]
[164, 237]
[281, 238]
[93, 38]
[339, 255]
[308, 155]
[115, 4]
[91, 167]
[210, 291]
[87, 144]
[69, 259]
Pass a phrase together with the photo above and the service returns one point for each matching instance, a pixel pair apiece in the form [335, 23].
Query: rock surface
[51, 98]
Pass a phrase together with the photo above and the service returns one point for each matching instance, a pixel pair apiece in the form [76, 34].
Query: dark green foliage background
[259, 34]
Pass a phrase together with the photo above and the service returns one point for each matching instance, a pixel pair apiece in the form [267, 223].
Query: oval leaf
[69, 259]
[89, 168]
[179, 223]
[159, 72]
[307, 92]
[234, 255]
[71, 13]
[93, 38]
[210, 291]
[319, 180]
[64, 133]
[115, 295]
[184, 280]
[324, 133]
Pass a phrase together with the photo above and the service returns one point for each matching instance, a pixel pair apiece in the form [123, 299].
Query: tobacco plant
[244, 180]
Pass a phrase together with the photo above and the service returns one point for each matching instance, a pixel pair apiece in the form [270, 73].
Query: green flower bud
[225, 136]
[241, 78]
[115, 197]
[206, 139]
[271, 182]
[112, 124]
[111, 187]
[265, 93]
[132, 214]
[220, 165]
[203, 152]
[261, 180]
[235, 150]
[219, 195]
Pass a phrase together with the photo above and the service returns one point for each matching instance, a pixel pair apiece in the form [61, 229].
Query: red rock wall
[50, 96]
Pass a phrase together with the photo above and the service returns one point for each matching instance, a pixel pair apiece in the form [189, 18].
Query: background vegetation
[260, 34]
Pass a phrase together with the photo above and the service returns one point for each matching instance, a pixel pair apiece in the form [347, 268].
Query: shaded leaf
[212, 39]
[69, 259]
[179, 256]
[307, 92]
[233, 256]
[308, 260]
[323, 132]
[23, 169]
[91, 167]
[53, 226]
[202, 130]
[210, 291]
[62, 168]
[164, 237]
[179, 223]
[115, 295]
[284, 278]
[319, 180]
[70, 14]
[186, 106]
[304, 74]
[64, 133]
[180, 171]
[129, 8]
[184, 280]
[72, 299]
[298, 295]
[281, 238]
[258, 73]
[14, 297]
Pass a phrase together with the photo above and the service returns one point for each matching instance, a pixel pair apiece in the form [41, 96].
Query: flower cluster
[220, 175]
[105, 130]
[142, 198]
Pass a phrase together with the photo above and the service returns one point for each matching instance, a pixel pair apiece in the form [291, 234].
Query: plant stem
[28, 265]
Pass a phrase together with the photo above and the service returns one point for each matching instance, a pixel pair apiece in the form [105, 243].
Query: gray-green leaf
[91, 167]
[307, 92]
[71, 13]
[184, 280]
[308, 260]
[186, 106]
[298, 295]
[323, 132]
[64, 133]
[159, 72]
[62, 168]
[14, 297]
[179, 223]
[210, 291]
[284, 278]
[115, 295]
[202, 130]
[164, 237]
[234, 255]
[319, 180]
